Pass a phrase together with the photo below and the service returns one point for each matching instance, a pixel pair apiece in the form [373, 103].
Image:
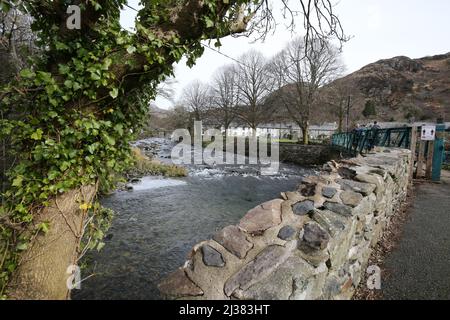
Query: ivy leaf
[52, 114]
[64, 166]
[108, 139]
[76, 86]
[61, 46]
[91, 148]
[95, 76]
[111, 163]
[114, 93]
[17, 181]
[131, 49]
[100, 246]
[37, 135]
[22, 246]
[106, 64]
[63, 69]
[52, 175]
[209, 22]
[53, 102]
[27, 73]
[44, 227]
[68, 84]
[119, 129]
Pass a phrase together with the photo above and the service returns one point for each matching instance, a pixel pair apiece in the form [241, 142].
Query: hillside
[399, 88]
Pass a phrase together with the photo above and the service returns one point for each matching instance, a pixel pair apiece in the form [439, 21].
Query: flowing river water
[158, 223]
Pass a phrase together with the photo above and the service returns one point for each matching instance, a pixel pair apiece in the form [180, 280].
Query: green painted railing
[363, 140]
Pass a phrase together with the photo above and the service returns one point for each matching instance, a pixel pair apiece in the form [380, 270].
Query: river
[158, 223]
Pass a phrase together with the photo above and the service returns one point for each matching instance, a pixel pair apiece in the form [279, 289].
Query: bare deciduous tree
[17, 41]
[225, 97]
[254, 86]
[299, 73]
[337, 97]
[196, 98]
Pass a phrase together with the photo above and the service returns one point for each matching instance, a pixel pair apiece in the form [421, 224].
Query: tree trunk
[42, 272]
[305, 132]
[254, 132]
[341, 124]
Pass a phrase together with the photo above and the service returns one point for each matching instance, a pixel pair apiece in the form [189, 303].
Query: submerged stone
[178, 285]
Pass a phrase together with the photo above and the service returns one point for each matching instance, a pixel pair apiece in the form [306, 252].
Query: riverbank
[146, 166]
[160, 219]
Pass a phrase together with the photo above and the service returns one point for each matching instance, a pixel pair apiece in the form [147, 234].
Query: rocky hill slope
[399, 89]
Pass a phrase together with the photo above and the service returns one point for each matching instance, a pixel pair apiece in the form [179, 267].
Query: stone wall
[313, 243]
[299, 154]
[309, 155]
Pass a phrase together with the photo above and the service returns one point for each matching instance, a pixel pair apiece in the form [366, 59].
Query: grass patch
[285, 141]
[144, 166]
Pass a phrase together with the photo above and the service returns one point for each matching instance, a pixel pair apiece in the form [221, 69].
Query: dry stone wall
[313, 243]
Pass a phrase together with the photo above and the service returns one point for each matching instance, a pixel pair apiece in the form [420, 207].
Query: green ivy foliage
[77, 111]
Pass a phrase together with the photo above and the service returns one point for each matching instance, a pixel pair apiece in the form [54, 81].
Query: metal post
[348, 112]
[439, 150]
[413, 147]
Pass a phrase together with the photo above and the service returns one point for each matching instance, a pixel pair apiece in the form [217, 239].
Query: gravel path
[419, 268]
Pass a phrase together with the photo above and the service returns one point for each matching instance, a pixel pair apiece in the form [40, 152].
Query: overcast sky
[380, 29]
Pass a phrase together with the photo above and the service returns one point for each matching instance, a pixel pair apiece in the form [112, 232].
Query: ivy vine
[76, 112]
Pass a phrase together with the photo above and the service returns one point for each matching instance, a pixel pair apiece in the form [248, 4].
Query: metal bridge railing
[364, 140]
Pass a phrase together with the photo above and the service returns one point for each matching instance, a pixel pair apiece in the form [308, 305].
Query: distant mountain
[399, 89]
[158, 112]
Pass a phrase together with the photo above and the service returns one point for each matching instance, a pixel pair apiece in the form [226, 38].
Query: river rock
[332, 222]
[279, 284]
[212, 257]
[313, 257]
[287, 233]
[372, 179]
[307, 189]
[234, 240]
[303, 208]
[264, 264]
[328, 192]
[342, 209]
[350, 185]
[315, 236]
[263, 217]
[351, 198]
[178, 285]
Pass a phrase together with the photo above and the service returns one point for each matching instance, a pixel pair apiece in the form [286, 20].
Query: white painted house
[281, 130]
